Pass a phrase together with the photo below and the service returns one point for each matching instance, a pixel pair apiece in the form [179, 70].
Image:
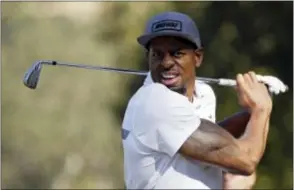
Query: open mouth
[169, 79]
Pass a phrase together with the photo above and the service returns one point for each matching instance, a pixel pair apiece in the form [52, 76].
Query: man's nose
[167, 60]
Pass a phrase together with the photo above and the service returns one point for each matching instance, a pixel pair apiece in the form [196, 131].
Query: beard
[179, 89]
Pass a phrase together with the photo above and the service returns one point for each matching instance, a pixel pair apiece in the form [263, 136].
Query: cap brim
[145, 39]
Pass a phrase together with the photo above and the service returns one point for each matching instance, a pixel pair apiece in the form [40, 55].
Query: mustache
[171, 70]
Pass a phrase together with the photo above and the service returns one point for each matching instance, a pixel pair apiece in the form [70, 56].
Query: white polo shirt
[157, 122]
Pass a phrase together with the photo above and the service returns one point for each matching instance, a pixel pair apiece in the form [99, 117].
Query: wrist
[260, 110]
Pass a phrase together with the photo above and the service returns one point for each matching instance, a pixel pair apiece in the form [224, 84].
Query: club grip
[227, 82]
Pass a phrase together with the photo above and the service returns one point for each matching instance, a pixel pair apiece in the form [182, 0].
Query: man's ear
[146, 54]
[147, 57]
[199, 54]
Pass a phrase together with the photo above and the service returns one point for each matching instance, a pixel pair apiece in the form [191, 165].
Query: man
[206, 107]
[235, 124]
[169, 136]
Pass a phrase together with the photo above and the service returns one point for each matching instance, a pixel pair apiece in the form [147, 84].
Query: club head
[31, 77]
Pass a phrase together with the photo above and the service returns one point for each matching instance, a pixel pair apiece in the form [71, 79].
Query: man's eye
[178, 54]
[155, 54]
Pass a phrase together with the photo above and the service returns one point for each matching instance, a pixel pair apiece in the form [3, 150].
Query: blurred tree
[56, 137]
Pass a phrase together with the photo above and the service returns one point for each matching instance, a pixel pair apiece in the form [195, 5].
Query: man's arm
[232, 181]
[236, 125]
[212, 144]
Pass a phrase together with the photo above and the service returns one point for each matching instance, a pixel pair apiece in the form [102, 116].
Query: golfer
[169, 134]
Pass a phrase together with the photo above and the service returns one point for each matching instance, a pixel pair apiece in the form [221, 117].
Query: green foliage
[66, 134]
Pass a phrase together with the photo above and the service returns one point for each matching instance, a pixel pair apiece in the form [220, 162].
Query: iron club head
[31, 77]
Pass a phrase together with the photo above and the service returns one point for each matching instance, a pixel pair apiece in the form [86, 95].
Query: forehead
[169, 42]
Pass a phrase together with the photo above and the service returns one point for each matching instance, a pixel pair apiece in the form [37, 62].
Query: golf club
[32, 75]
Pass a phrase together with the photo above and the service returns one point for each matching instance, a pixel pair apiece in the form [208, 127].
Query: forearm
[266, 133]
[231, 181]
[236, 123]
[254, 138]
[266, 130]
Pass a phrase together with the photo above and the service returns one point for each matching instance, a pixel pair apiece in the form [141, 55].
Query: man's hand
[253, 94]
[232, 181]
[275, 85]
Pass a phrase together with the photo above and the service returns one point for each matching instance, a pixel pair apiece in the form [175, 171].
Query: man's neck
[190, 97]
[190, 94]
[190, 91]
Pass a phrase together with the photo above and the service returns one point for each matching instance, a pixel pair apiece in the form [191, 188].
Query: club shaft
[94, 67]
[117, 70]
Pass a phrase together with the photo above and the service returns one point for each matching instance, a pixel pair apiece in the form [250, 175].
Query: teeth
[168, 76]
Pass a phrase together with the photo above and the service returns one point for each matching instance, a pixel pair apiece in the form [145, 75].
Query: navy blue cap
[171, 24]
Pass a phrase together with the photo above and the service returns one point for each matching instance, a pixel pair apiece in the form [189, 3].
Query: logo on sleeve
[124, 134]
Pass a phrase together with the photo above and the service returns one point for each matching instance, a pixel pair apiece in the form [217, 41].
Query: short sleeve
[177, 126]
[166, 120]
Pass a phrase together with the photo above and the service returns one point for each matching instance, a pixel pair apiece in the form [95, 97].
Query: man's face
[172, 62]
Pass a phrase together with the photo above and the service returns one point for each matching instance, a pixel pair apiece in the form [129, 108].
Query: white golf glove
[275, 85]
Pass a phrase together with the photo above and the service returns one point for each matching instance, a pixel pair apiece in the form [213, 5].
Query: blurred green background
[66, 134]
